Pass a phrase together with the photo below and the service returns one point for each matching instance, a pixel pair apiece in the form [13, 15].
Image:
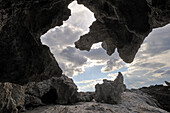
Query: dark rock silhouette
[110, 91]
[119, 24]
[123, 24]
[161, 94]
[23, 57]
[167, 83]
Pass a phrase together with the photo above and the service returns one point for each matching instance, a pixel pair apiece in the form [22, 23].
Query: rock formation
[161, 94]
[119, 24]
[123, 24]
[23, 57]
[167, 83]
[57, 90]
[85, 96]
[11, 98]
[132, 102]
[110, 91]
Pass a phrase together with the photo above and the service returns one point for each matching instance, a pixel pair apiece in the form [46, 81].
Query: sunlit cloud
[150, 66]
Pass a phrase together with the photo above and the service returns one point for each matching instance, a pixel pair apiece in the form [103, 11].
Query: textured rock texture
[11, 98]
[57, 90]
[23, 57]
[123, 24]
[85, 96]
[161, 94]
[120, 24]
[110, 91]
[132, 102]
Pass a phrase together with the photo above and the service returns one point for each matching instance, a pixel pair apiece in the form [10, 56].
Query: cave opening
[50, 97]
[89, 68]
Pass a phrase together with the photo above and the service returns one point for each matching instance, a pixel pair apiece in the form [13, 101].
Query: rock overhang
[119, 24]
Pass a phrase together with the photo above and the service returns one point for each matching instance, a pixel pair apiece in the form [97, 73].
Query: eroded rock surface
[23, 57]
[85, 96]
[110, 91]
[123, 24]
[161, 94]
[12, 97]
[57, 90]
[132, 102]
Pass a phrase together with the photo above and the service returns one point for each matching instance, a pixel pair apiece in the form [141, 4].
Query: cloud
[112, 65]
[152, 61]
[89, 85]
[61, 40]
[150, 66]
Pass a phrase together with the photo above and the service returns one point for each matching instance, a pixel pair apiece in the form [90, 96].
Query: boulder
[57, 90]
[160, 93]
[110, 91]
[11, 98]
[85, 96]
[167, 83]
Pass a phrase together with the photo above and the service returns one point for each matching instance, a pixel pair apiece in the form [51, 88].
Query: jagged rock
[110, 91]
[123, 24]
[57, 90]
[11, 98]
[161, 94]
[132, 102]
[23, 57]
[32, 102]
[167, 83]
[119, 24]
[85, 96]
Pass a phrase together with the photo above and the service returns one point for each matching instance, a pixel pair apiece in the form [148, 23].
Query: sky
[151, 65]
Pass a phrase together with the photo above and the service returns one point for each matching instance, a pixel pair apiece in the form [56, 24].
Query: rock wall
[23, 57]
[161, 94]
[123, 24]
[12, 98]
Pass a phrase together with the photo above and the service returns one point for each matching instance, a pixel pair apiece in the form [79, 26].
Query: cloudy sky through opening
[151, 65]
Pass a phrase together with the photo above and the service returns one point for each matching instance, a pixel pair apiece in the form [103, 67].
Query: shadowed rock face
[123, 24]
[23, 57]
[160, 93]
[57, 90]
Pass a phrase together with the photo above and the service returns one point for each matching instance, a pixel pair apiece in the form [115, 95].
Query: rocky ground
[132, 102]
[59, 95]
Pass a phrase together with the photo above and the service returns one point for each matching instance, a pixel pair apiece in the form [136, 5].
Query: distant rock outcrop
[110, 91]
[57, 90]
[11, 98]
[85, 96]
[160, 93]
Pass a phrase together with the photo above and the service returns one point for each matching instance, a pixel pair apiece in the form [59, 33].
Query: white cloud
[150, 66]
[112, 65]
[152, 60]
